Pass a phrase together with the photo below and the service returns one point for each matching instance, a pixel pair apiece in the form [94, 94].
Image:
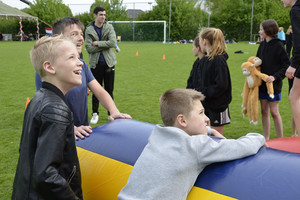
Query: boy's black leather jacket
[48, 166]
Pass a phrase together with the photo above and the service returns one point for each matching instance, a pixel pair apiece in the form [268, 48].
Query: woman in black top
[294, 68]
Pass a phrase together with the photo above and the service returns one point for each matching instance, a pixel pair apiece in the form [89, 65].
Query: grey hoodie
[172, 160]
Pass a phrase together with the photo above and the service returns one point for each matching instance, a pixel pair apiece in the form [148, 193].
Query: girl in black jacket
[215, 82]
[194, 75]
[274, 63]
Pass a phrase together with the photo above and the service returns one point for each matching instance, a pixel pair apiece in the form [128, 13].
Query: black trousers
[106, 75]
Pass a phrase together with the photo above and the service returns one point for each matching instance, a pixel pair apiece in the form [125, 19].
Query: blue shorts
[277, 97]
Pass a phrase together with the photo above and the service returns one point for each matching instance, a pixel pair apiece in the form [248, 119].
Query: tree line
[185, 18]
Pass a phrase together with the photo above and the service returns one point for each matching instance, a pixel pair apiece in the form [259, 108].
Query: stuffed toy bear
[254, 77]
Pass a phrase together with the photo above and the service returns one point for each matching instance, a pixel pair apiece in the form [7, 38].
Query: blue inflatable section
[122, 140]
[270, 174]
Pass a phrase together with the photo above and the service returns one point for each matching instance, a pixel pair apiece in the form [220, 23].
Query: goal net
[140, 30]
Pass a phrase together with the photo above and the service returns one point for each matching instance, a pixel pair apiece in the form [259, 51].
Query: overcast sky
[81, 6]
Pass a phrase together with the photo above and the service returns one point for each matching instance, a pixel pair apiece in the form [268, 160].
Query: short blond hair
[216, 39]
[177, 101]
[45, 49]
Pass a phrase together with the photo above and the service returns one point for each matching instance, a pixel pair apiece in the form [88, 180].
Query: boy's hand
[82, 131]
[217, 134]
[118, 115]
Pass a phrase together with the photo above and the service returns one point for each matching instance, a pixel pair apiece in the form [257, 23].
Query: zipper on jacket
[72, 174]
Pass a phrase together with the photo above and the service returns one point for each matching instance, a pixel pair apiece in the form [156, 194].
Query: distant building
[133, 13]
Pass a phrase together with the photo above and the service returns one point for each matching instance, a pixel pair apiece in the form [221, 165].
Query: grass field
[140, 80]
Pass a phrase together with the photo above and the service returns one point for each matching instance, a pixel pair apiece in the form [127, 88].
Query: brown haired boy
[177, 152]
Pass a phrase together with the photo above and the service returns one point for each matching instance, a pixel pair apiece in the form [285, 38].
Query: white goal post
[133, 22]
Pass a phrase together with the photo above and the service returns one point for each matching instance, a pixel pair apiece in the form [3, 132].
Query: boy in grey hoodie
[178, 152]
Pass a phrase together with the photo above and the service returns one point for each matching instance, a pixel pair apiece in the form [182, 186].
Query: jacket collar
[93, 23]
[54, 89]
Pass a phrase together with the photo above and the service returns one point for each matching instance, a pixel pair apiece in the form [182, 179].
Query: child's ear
[204, 42]
[48, 67]
[199, 49]
[181, 120]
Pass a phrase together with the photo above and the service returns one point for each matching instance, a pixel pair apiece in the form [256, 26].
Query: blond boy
[178, 152]
[48, 166]
[72, 28]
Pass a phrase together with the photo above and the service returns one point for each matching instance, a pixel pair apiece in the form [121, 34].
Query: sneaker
[94, 119]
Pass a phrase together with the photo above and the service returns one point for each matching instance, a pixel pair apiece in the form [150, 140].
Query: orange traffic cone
[27, 102]
[137, 53]
[164, 57]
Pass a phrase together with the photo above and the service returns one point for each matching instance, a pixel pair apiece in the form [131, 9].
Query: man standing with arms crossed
[100, 40]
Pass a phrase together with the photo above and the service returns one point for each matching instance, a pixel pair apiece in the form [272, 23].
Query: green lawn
[140, 80]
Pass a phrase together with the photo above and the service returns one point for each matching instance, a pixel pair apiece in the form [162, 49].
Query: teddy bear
[254, 77]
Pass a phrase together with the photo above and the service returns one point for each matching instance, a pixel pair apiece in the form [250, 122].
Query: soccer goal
[140, 30]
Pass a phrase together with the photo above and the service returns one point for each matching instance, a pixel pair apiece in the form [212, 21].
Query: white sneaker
[94, 119]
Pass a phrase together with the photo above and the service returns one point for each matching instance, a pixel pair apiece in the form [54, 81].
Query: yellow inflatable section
[103, 178]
